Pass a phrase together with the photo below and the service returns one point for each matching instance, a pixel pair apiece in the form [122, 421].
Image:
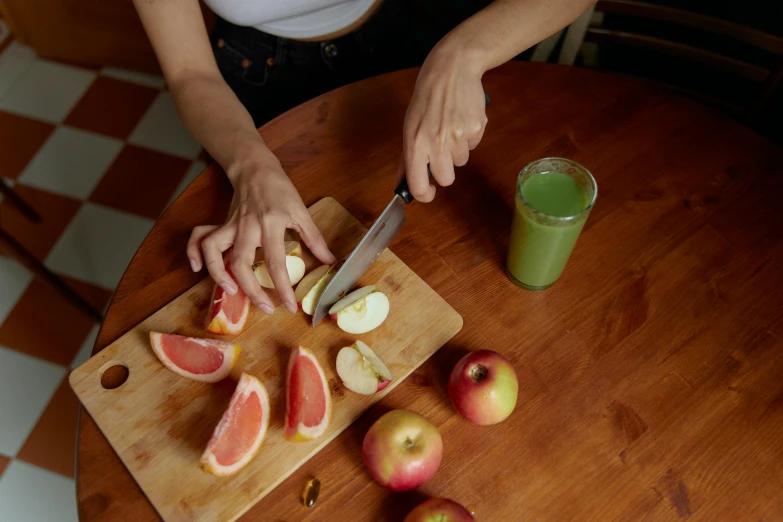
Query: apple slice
[310, 288]
[293, 263]
[360, 311]
[361, 370]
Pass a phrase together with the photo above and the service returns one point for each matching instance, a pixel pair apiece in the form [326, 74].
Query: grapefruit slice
[308, 403]
[241, 430]
[206, 360]
[227, 313]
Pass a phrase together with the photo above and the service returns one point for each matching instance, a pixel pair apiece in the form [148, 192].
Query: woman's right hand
[265, 205]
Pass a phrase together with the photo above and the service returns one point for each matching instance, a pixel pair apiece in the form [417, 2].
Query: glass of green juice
[554, 197]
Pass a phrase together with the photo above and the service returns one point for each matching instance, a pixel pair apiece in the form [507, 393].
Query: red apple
[483, 387]
[439, 510]
[402, 450]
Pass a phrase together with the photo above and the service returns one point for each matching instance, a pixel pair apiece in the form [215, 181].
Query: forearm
[206, 104]
[217, 119]
[506, 28]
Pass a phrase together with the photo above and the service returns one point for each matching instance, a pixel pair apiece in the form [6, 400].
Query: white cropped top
[299, 19]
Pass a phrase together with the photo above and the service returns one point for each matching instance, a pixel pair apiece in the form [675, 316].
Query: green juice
[547, 221]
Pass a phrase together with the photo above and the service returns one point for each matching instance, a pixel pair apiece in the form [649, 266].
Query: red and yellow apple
[483, 387]
[439, 510]
[402, 450]
[294, 264]
[360, 311]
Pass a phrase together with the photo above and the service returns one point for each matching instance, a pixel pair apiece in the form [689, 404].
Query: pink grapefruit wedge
[205, 360]
[227, 313]
[308, 401]
[241, 430]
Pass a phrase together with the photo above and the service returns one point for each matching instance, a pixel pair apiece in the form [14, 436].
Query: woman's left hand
[445, 121]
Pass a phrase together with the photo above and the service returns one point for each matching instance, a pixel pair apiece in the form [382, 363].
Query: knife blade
[369, 248]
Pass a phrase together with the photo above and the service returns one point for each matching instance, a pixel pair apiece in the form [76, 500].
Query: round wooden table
[651, 374]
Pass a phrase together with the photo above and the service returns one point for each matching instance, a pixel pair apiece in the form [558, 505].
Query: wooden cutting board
[159, 423]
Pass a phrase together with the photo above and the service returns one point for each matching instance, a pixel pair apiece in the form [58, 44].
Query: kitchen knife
[369, 248]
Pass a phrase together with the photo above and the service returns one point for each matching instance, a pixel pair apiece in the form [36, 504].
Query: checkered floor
[99, 154]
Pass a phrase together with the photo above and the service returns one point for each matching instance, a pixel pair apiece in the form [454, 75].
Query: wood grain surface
[651, 374]
[159, 423]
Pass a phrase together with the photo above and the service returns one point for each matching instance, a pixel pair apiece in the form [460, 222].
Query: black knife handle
[402, 188]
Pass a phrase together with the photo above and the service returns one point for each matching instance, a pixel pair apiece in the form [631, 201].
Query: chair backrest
[657, 30]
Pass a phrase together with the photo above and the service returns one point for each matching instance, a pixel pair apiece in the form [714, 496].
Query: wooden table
[651, 374]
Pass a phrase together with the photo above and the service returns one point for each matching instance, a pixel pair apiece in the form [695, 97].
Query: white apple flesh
[360, 311]
[294, 265]
[361, 370]
[311, 287]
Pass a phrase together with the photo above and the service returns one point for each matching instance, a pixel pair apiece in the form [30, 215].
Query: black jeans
[271, 75]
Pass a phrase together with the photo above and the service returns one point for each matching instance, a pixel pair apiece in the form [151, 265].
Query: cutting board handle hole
[114, 376]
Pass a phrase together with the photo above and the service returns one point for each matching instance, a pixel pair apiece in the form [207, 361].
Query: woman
[279, 53]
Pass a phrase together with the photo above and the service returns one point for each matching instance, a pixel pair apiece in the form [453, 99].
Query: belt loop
[280, 53]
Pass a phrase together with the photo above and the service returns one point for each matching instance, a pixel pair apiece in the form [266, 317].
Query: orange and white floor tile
[99, 154]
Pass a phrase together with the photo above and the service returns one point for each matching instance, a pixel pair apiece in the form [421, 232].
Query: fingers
[416, 173]
[193, 250]
[476, 132]
[460, 154]
[442, 168]
[313, 238]
[442, 155]
[242, 257]
[213, 247]
[274, 254]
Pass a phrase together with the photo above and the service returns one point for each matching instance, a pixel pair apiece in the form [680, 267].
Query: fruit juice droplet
[310, 492]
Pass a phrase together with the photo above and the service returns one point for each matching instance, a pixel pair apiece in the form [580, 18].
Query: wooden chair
[21, 254]
[764, 72]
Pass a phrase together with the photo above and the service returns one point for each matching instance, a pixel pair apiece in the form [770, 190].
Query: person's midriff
[345, 30]
[540, 246]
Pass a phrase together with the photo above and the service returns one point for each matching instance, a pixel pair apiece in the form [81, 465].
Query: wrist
[460, 49]
[253, 157]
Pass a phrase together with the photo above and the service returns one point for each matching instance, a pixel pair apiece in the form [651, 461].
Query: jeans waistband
[395, 30]
[294, 51]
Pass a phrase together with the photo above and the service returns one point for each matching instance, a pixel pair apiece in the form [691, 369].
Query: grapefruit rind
[247, 385]
[229, 350]
[300, 432]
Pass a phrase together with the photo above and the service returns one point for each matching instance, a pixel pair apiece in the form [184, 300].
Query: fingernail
[268, 310]
[229, 288]
[193, 265]
[332, 258]
[291, 307]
